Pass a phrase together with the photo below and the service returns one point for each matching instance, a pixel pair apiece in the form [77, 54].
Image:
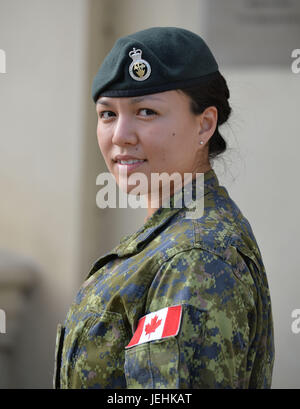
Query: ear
[207, 124]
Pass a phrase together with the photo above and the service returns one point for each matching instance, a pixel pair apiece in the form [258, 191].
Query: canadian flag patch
[156, 325]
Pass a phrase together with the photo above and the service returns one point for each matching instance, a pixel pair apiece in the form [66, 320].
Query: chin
[133, 190]
[133, 184]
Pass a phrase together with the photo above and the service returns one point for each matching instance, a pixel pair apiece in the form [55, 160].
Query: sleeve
[210, 349]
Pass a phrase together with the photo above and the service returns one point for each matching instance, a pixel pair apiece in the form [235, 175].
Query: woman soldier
[183, 302]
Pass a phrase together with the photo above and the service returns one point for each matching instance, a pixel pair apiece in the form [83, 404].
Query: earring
[201, 142]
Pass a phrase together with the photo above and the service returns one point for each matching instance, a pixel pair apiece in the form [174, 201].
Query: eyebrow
[132, 101]
[102, 102]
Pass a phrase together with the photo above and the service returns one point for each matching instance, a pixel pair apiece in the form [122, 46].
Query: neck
[152, 209]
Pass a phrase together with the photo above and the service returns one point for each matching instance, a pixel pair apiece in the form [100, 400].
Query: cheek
[162, 147]
[98, 135]
[103, 141]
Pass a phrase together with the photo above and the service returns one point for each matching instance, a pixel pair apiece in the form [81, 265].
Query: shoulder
[216, 253]
[221, 227]
[203, 279]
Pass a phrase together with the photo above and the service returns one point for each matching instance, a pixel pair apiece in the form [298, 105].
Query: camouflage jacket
[212, 268]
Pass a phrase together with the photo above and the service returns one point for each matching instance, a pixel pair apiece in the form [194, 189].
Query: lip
[128, 167]
[126, 157]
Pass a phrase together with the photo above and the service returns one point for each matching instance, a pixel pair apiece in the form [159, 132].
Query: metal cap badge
[139, 69]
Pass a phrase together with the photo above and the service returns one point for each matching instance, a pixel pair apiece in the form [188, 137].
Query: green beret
[154, 60]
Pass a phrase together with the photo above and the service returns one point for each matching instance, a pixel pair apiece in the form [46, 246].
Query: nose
[124, 131]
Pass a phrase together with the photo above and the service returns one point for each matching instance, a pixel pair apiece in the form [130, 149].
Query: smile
[129, 165]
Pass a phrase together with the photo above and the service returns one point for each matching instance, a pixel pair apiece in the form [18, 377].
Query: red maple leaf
[152, 326]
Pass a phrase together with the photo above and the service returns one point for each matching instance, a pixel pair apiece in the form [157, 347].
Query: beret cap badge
[139, 69]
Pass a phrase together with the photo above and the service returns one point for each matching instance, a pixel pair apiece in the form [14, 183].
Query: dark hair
[215, 93]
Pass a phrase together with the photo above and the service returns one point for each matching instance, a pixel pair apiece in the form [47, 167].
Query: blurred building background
[51, 229]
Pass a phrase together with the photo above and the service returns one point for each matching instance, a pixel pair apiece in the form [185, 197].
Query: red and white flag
[156, 325]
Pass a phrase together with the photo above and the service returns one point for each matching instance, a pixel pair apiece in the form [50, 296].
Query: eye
[106, 115]
[146, 112]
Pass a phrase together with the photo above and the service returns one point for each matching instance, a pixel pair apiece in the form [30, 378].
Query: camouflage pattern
[213, 267]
